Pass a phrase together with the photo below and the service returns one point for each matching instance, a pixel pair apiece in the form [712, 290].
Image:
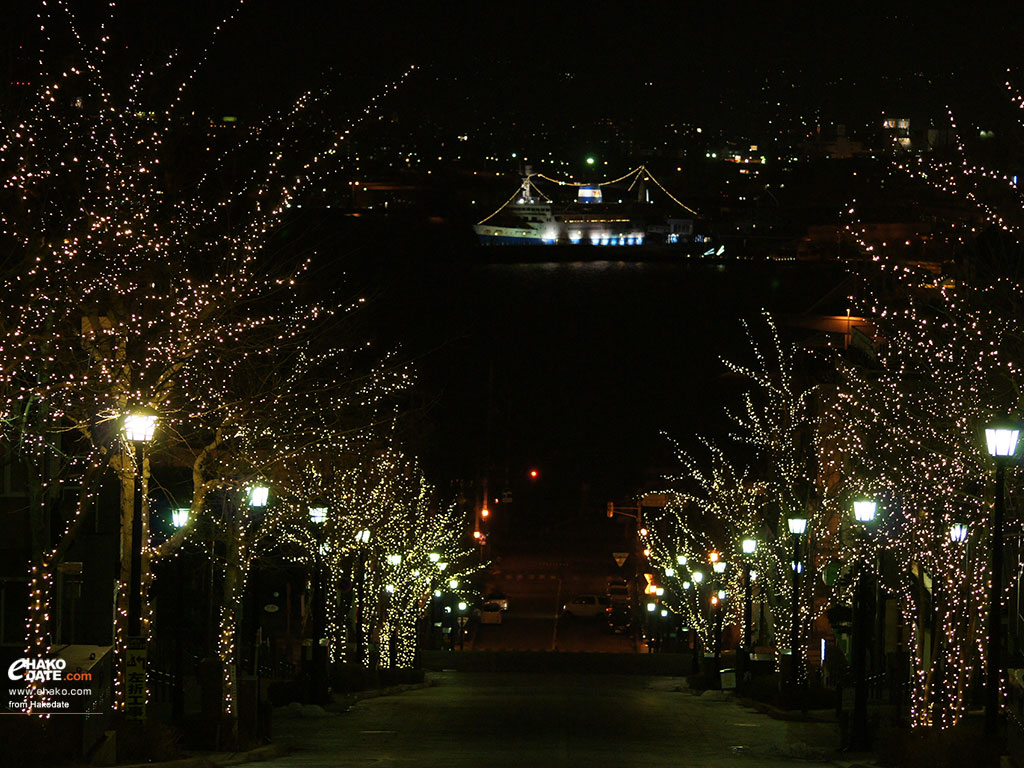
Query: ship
[531, 217]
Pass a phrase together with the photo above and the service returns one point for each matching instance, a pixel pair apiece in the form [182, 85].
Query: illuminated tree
[948, 362]
[133, 281]
[384, 532]
[785, 459]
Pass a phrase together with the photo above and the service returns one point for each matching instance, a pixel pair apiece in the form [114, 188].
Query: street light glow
[958, 532]
[1002, 440]
[749, 546]
[797, 525]
[318, 514]
[864, 510]
[139, 426]
[179, 517]
[258, 496]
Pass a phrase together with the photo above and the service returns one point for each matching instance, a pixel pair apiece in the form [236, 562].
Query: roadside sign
[654, 500]
[620, 558]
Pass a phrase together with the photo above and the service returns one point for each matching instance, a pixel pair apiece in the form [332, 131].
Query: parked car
[586, 606]
[490, 613]
[500, 598]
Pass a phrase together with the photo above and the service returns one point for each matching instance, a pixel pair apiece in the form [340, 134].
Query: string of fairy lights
[131, 292]
[638, 174]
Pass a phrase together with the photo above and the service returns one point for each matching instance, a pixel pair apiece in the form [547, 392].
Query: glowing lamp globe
[258, 496]
[958, 532]
[797, 525]
[179, 517]
[864, 510]
[318, 514]
[139, 426]
[749, 546]
[1002, 438]
[719, 566]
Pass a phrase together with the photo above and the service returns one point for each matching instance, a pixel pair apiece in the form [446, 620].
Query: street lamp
[1002, 438]
[138, 427]
[258, 495]
[749, 548]
[318, 516]
[797, 526]
[179, 517]
[718, 566]
[864, 513]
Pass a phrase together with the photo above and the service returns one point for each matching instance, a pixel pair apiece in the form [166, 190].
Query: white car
[585, 606]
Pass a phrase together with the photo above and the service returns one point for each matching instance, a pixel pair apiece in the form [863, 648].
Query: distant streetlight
[681, 560]
[697, 576]
[670, 573]
[797, 525]
[1002, 437]
[179, 517]
[394, 559]
[434, 557]
[718, 567]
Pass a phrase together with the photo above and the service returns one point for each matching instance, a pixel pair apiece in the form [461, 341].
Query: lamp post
[318, 681]
[864, 513]
[1002, 438]
[138, 427]
[749, 548]
[718, 567]
[797, 526]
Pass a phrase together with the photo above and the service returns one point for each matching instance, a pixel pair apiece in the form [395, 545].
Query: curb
[214, 759]
[347, 700]
[794, 715]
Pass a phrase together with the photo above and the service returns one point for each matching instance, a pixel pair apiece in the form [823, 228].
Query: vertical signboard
[135, 679]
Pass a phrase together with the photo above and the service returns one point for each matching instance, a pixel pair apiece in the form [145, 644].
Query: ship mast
[526, 193]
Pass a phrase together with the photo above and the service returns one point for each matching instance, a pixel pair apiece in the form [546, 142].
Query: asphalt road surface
[539, 720]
